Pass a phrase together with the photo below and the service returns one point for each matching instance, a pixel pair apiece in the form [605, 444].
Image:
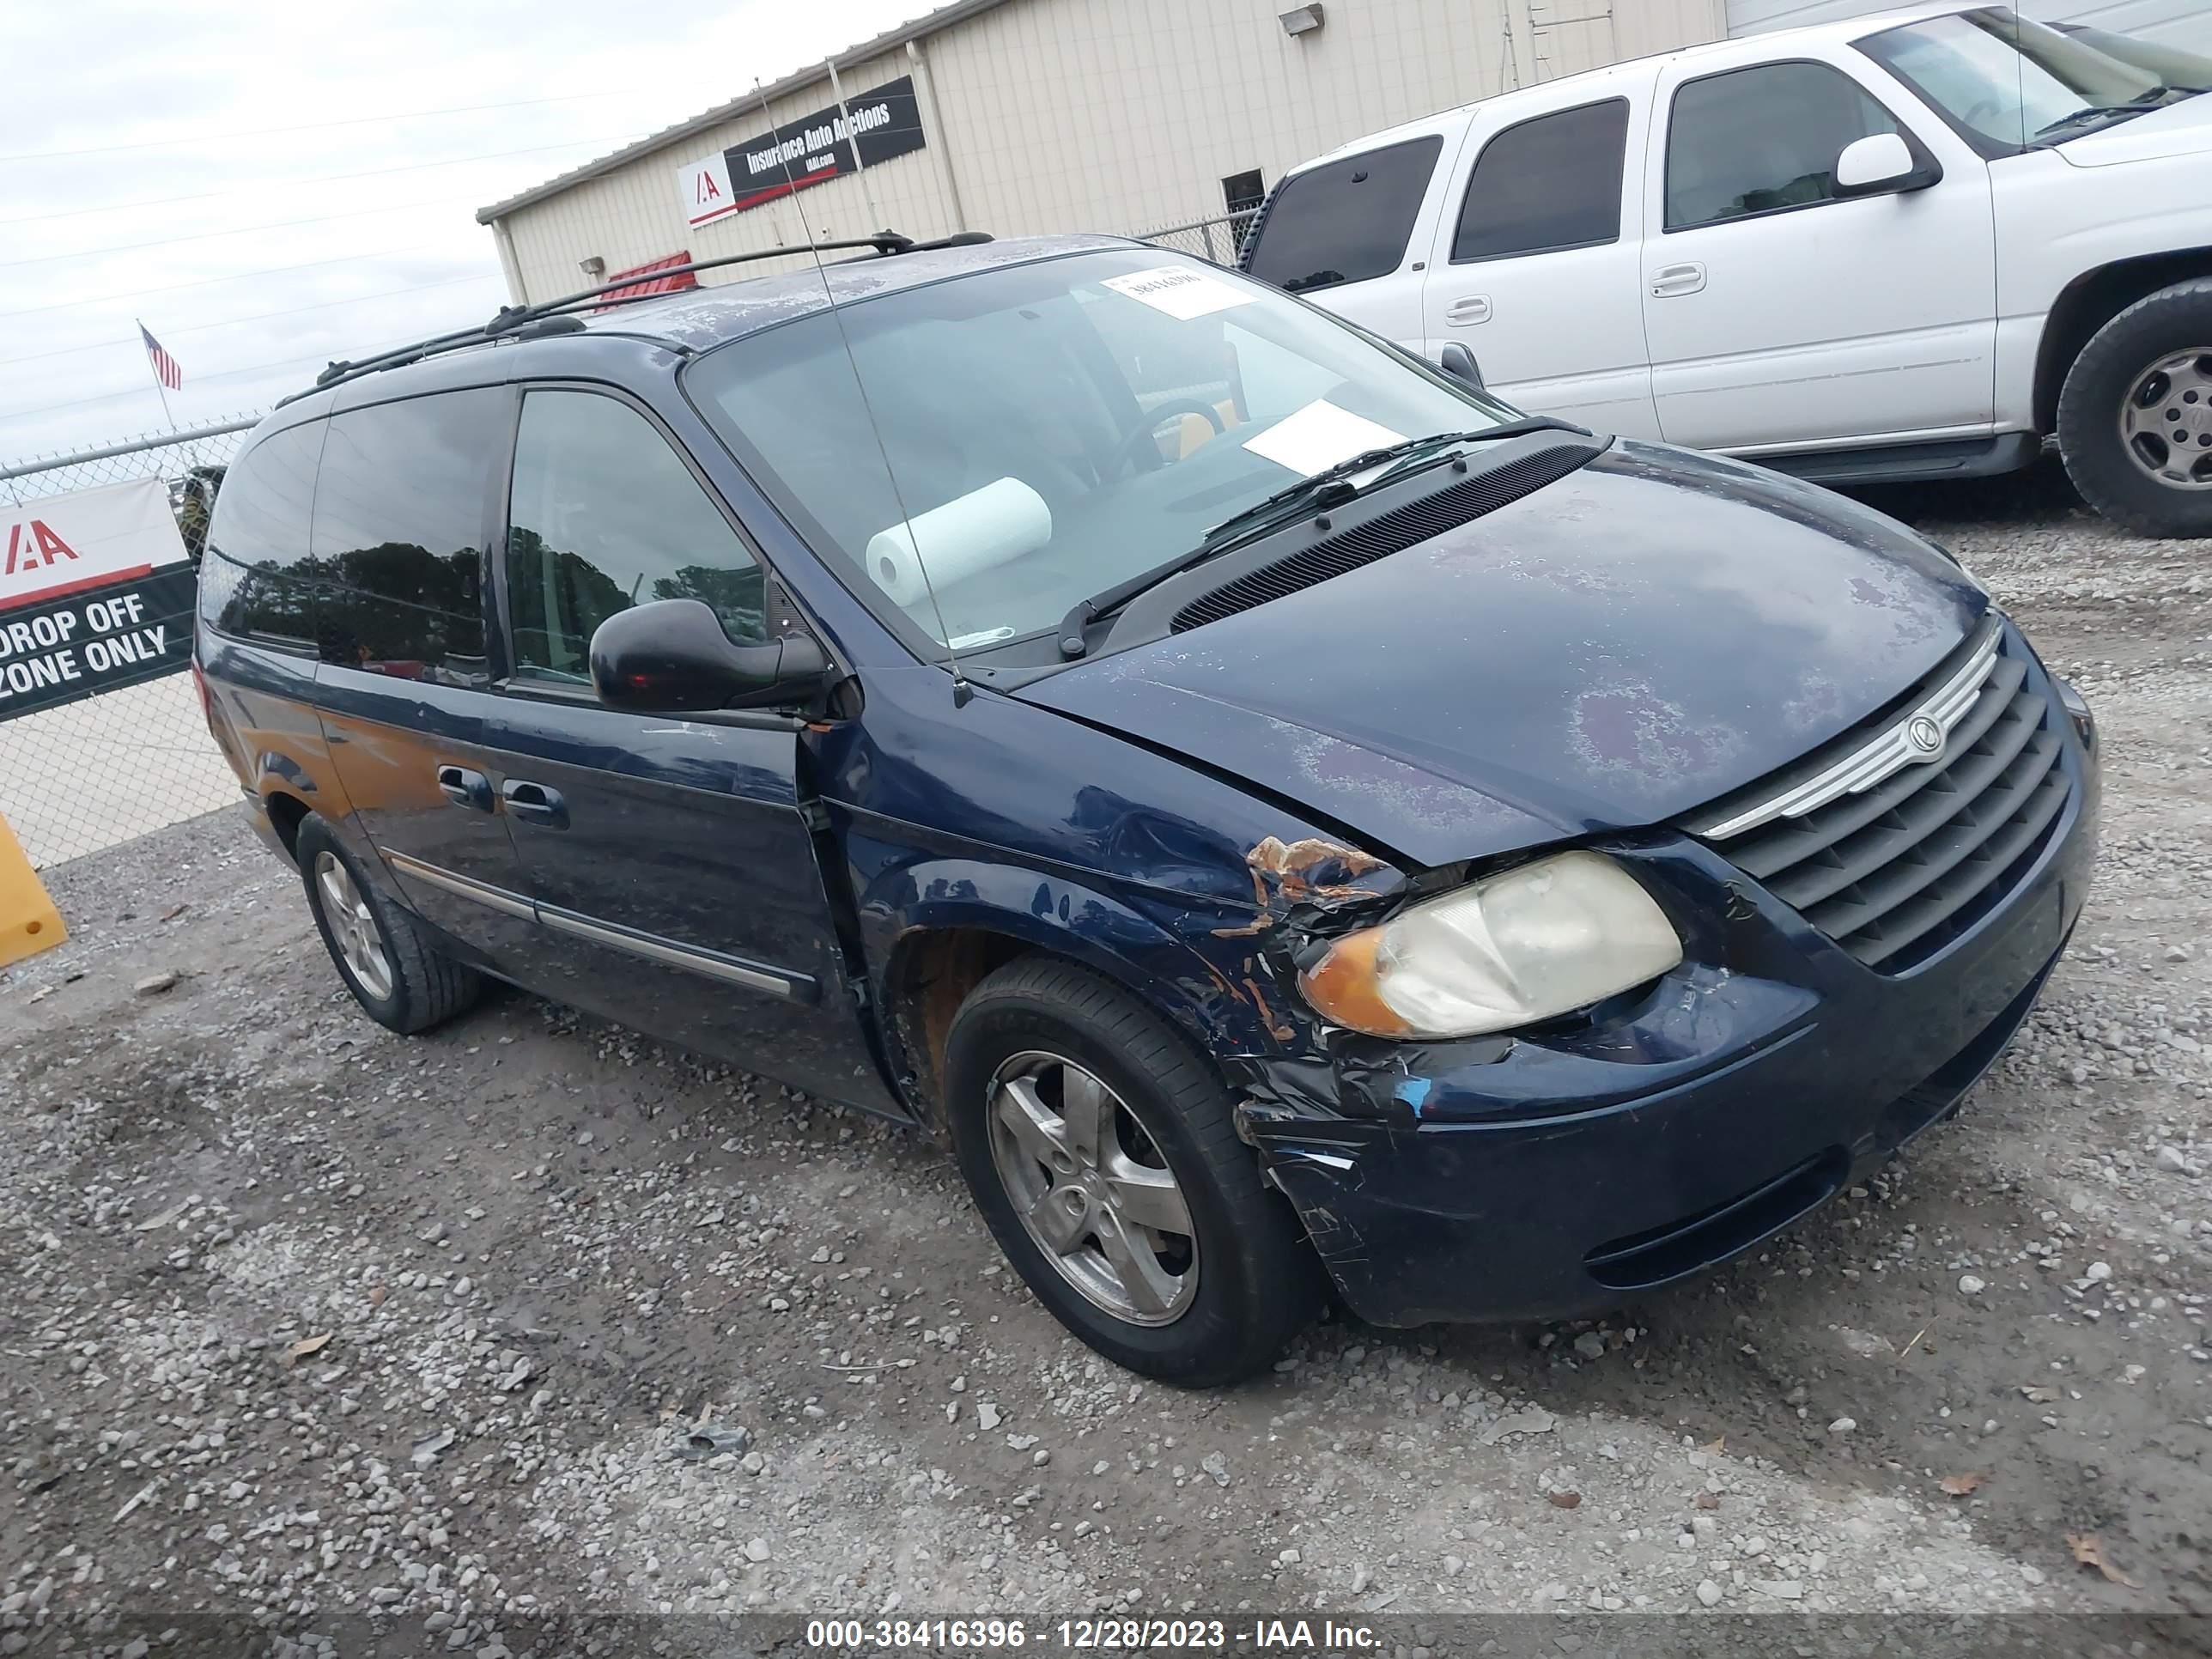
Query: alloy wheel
[2166, 420]
[1092, 1188]
[353, 927]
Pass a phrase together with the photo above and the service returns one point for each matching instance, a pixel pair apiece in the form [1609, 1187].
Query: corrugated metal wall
[1127, 114]
[2186, 23]
[1120, 115]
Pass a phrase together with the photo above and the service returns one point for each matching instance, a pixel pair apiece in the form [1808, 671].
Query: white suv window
[1761, 140]
[1345, 221]
[2003, 82]
[1547, 184]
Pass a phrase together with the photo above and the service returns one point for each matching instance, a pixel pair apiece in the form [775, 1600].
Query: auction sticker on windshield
[1178, 290]
[1320, 435]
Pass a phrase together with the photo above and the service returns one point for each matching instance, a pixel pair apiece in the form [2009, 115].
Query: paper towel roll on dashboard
[967, 535]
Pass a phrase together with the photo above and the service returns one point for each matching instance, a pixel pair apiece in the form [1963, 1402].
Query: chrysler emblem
[1924, 736]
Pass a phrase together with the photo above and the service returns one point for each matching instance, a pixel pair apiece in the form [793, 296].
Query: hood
[2182, 128]
[1639, 638]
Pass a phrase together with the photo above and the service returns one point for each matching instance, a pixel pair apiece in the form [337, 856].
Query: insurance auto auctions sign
[96, 591]
[822, 146]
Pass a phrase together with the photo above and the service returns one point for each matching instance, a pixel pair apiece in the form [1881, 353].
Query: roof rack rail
[514, 322]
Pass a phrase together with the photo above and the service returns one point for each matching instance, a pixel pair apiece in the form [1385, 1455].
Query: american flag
[165, 367]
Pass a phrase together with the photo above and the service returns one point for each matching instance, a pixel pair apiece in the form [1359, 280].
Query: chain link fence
[1217, 240]
[91, 773]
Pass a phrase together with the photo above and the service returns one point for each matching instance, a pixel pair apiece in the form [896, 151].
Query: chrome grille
[1894, 859]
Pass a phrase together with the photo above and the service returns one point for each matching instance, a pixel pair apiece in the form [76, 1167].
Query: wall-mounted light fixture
[593, 266]
[1301, 20]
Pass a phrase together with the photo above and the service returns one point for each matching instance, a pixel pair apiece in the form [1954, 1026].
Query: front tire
[387, 959]
[2135, 417]
[1099, 1148]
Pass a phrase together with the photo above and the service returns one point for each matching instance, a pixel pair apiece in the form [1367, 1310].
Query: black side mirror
[671, 657]
[1459, 363]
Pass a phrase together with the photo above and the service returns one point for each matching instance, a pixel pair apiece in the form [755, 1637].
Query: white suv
[1904, 246]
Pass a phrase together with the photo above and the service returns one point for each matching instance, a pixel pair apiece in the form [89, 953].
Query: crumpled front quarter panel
[1009, 818]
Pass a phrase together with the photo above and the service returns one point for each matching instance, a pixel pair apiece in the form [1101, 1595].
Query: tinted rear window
[1552, 182]
[398, 535]
[249, 580]
[1345, 221]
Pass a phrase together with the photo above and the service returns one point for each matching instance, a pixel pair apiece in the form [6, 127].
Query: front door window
[605, 515]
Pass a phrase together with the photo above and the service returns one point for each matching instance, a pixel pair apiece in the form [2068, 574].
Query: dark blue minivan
[1294, 823]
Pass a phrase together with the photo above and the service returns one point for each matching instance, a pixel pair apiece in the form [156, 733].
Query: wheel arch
[936, 949]
[286, 812]
[2094, 299]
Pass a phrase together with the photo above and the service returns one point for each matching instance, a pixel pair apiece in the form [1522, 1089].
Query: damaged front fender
[1396, 1151]
[1310, 874]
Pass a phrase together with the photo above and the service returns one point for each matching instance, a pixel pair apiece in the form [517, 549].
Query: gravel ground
[467, 1338]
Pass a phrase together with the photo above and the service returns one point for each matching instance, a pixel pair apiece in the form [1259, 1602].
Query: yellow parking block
[28, 921]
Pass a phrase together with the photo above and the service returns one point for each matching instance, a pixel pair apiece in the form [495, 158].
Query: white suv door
[1536, 263]
[1341, 232]
[1782, 315]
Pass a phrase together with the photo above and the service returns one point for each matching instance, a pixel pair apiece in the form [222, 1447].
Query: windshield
[2171, 64]
[1052, 429]
[2006, 84]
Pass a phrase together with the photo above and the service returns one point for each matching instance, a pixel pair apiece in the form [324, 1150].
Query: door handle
[1669, 281]
[1468, 310]
[533, 803]
[465, 788]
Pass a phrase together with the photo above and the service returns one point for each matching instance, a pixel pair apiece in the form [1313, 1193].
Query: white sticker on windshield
[1320, 435]
[1178, 290]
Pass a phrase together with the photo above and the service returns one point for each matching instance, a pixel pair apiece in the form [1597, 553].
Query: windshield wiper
[1331, 486]
[1333, 482]
[2089, 112]
[2140, 104]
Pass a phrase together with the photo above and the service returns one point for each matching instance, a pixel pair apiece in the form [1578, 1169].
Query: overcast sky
[266, 185]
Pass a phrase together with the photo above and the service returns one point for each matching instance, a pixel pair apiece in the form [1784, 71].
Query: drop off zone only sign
[96, 591]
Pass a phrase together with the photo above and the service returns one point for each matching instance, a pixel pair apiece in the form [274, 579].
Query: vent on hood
[1387, 533]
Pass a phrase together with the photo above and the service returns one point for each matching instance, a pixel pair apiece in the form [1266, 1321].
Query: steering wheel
[1149, 423]
[1990, 108]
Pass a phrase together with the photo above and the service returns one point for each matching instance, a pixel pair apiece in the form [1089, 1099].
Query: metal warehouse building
[1018, 116]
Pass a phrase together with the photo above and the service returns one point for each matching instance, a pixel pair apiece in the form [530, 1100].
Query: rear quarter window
[251, 584]
[397, 552]
[1344, 221]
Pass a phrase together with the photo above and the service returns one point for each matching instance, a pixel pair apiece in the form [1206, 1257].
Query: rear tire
[1208, 1298]
[2148, 373]
[387, 957]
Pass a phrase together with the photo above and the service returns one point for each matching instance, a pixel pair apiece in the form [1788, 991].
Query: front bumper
[1547, 1176]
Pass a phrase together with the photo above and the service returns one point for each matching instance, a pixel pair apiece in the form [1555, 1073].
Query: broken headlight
[1532, 944]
